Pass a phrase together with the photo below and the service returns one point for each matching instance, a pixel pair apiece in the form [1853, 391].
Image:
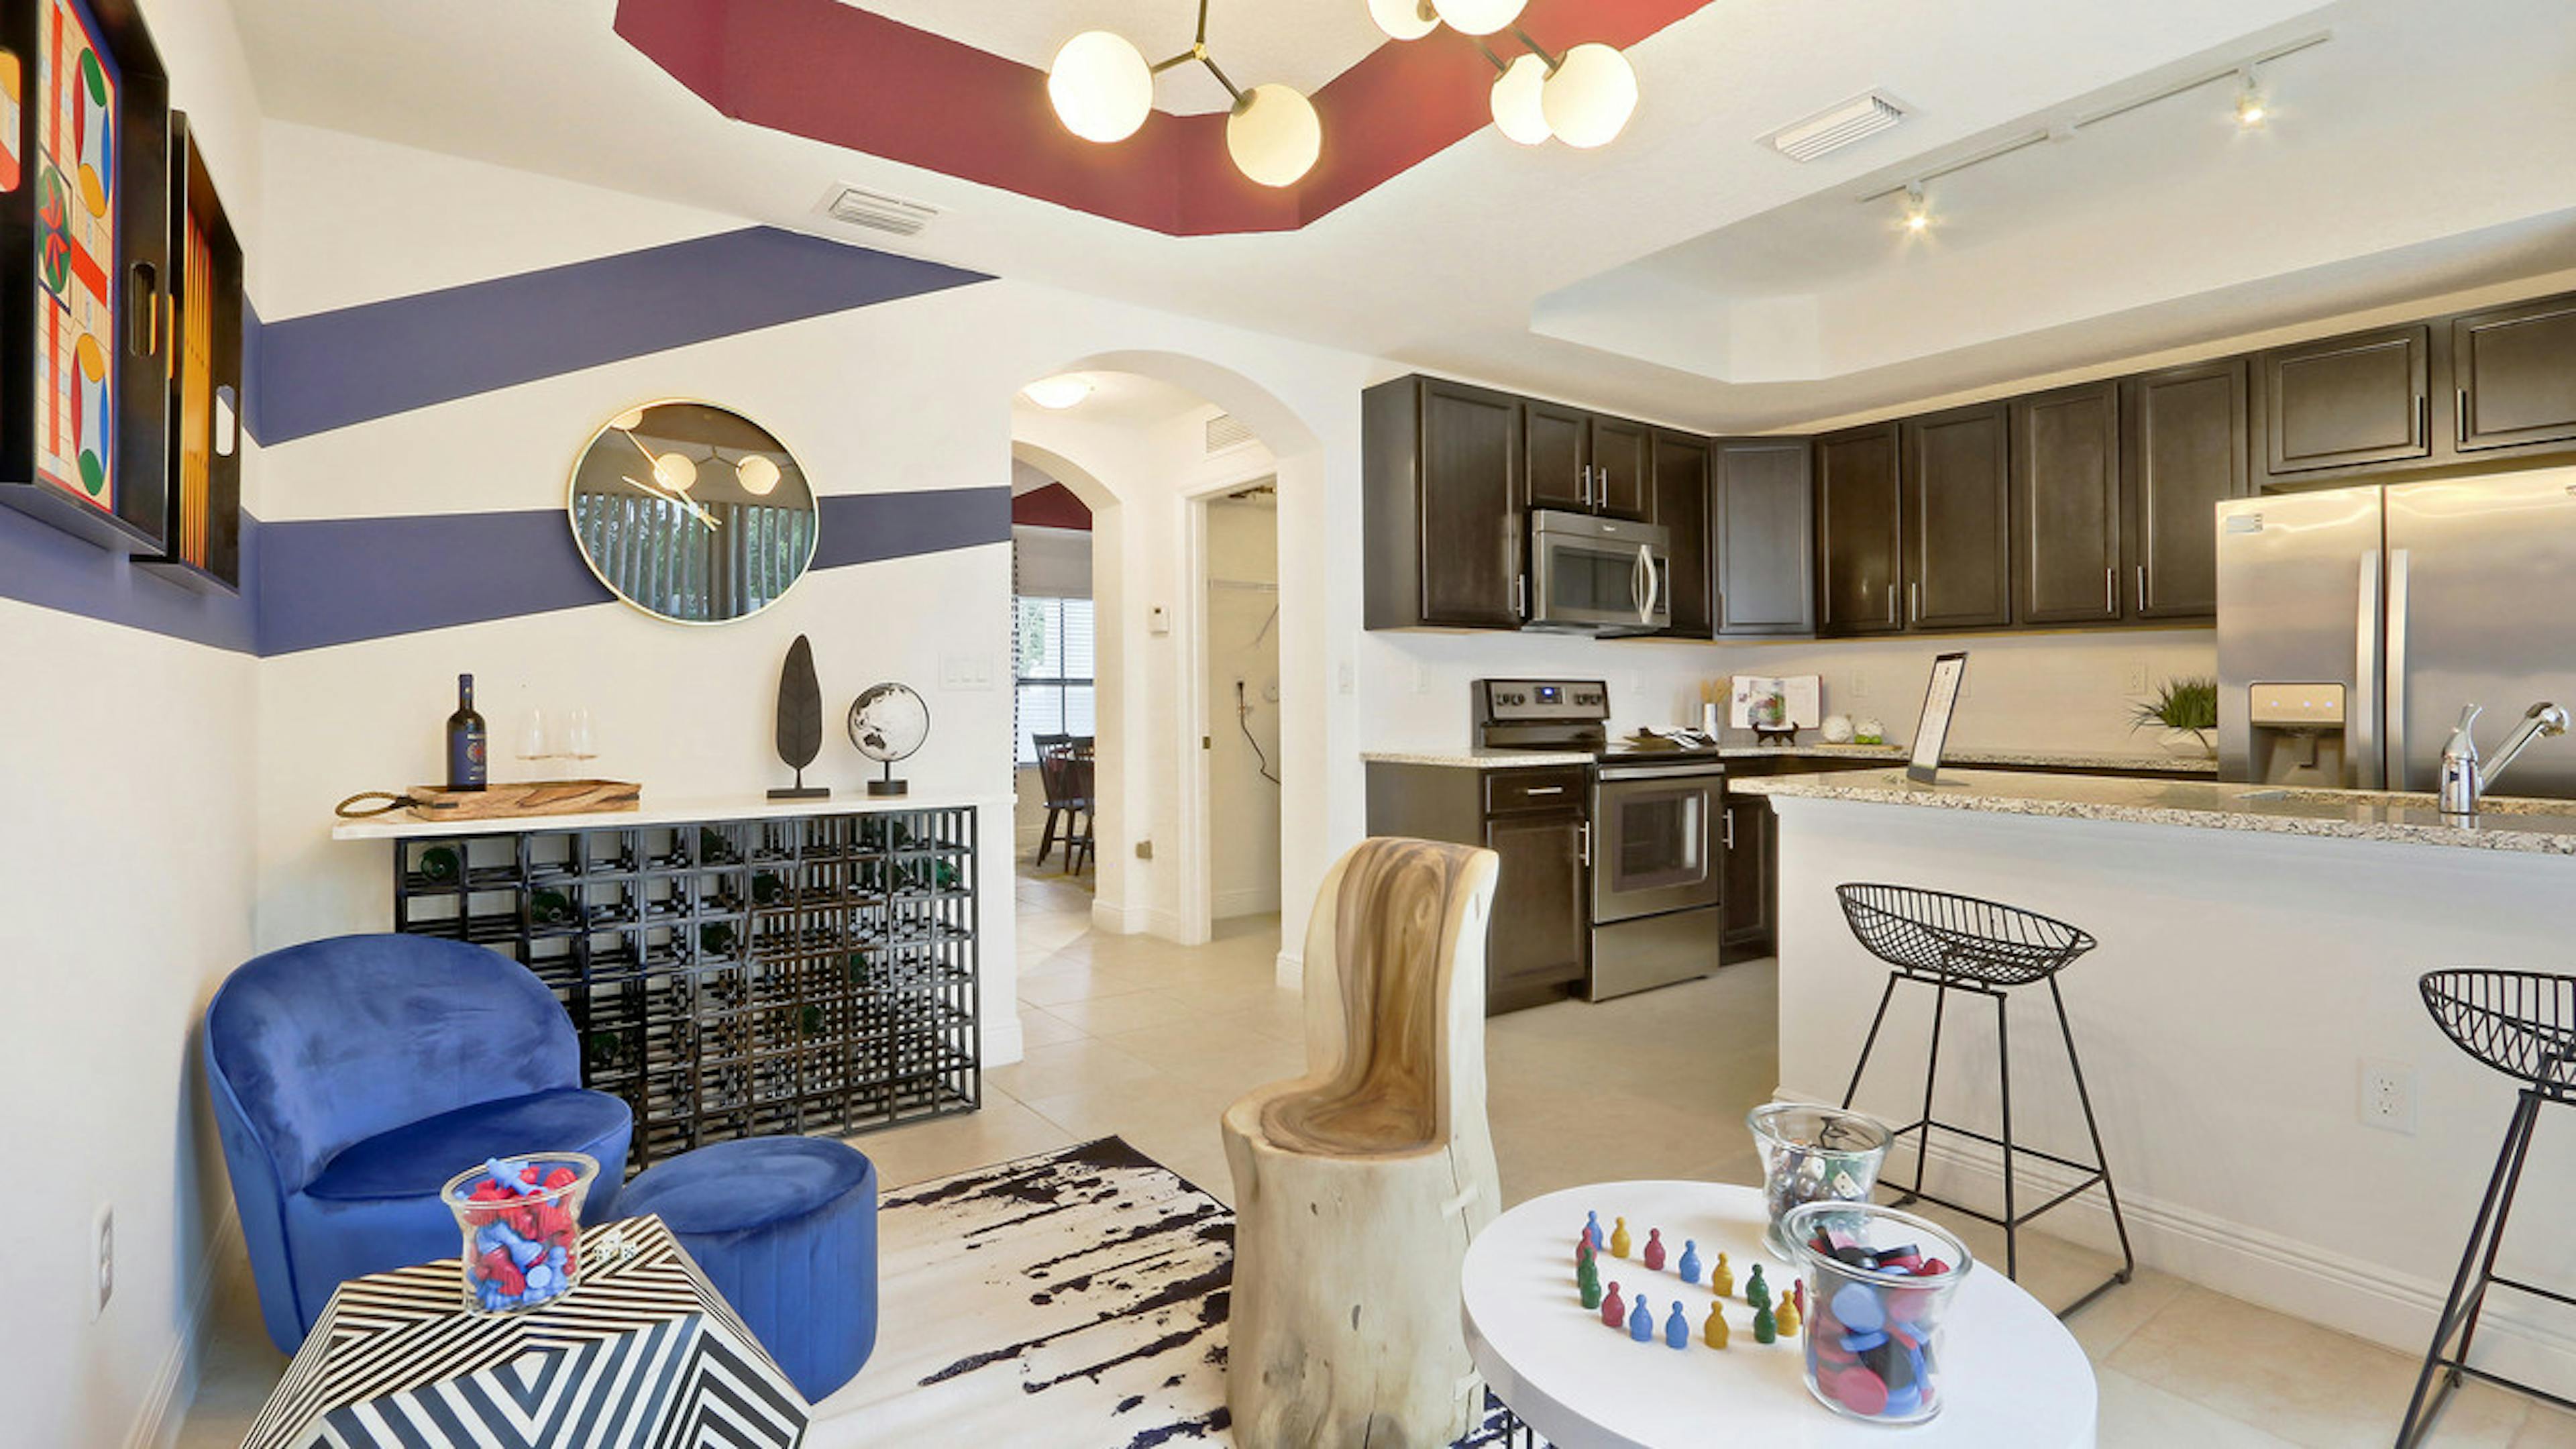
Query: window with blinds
[658, 553]
[1053, 675]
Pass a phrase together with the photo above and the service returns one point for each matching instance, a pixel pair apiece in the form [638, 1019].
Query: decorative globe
[1838, 729]
[888, 722]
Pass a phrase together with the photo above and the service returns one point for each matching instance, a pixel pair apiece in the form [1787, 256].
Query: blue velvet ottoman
[786, 1229]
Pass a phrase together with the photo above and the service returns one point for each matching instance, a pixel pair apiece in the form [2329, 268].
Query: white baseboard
[1291, 971]
[1249, 901]
[1118, 920]
[174, 1384]
[2392, 1306]
[1004, 1041]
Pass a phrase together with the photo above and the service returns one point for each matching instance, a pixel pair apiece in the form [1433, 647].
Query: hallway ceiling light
[1517, 109]
[1404, 19]
[1478, 17]
[1590, 95]
[1059, 392]
[1103, 90]
[1101, 87]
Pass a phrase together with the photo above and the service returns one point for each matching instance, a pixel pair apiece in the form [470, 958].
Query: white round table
[2013, 1378]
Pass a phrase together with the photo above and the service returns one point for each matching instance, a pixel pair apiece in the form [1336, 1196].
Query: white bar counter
[402, 825]
[2257, 950]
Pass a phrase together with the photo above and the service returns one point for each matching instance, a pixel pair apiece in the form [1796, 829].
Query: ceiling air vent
[877, 211]
[1836, 127]
[1224, 431]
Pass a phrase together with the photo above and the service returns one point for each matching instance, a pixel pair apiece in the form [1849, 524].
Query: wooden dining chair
[1064, 769]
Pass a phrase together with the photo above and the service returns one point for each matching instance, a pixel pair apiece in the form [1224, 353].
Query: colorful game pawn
[1613, 1311]
[1786, 1315]
[1592, 1229]
[1677, 1328]
[1587, 1281]
[1582, 1249]
[1713, 1332]
[1766, 1329]
[1721, 1279]
[1689, 1265]
[1618, 1237]
[1641, 1321]
[1757, 1292]
[1654, 1250]
[1798, 1290]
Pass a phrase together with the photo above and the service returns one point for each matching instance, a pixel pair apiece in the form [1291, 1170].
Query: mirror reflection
[692, 512]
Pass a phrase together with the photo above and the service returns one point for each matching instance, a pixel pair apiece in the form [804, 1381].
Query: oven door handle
[1709, 769]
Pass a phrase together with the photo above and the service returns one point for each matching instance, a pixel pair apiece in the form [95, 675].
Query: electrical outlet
[2137, 680]
[103, 1240]
[2388, 1096]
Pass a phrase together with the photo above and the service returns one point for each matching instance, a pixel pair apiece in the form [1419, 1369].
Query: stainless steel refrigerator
[2354, 624]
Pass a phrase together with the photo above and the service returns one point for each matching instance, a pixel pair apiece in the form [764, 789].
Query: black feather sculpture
[800, 721]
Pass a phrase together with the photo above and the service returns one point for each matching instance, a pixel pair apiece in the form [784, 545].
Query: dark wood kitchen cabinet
[2183, 450]
[1622, 468]
[2345, 401]
[1859, 531]
[1752, 878]
[1442, 533]
[2067, 505]
[1586, 463]
[1957, 518]
[1763, 544]
[2513, 377]
[1680, 505]
[1539, 938]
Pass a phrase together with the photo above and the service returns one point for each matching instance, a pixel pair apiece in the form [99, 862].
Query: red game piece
[1861, 1391]
[1613, 1311]
[1655, 1250]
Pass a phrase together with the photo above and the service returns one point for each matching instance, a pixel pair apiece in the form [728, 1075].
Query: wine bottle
[467, 767]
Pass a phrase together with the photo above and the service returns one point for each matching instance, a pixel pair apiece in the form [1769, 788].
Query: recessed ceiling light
[1058, 392]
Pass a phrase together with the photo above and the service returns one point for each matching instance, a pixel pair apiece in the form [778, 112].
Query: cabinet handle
[2142, 588]
[2460, 416]
[2423, 419]
[1544, 790]
[2111, 592]
[1730, 828]
[1914, 603]
[1520, 595]
[1891, 602]
[1587, 842]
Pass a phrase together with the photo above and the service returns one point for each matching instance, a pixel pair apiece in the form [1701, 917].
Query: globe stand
[889, 785]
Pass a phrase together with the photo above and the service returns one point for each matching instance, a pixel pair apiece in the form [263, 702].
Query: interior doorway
[1240, 688]
[1055, 679]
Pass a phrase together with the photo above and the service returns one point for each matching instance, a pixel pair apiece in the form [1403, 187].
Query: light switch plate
[965, 671]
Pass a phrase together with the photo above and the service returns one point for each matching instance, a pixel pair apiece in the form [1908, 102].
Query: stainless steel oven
[1658, 878]
[1598, 575]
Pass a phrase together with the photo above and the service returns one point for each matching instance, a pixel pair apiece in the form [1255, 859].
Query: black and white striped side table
[643, 1352]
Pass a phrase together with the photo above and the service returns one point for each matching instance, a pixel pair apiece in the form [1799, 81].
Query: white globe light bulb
[1274, 135]
[757, 474]
[1478, 17]
[1101, 87]
[1590, 98]
[675, 472]
[1402, 19]
[628, 421]
[1517, 111]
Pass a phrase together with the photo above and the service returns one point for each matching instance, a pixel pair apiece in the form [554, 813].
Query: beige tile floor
[1138, 1037]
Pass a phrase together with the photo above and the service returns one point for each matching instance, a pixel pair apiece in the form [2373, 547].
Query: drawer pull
[1545, 790]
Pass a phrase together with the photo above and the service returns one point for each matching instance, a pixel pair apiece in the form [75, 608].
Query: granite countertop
[2543, 827]
[1478, 759]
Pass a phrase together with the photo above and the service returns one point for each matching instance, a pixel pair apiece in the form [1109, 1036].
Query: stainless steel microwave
[1598, 575]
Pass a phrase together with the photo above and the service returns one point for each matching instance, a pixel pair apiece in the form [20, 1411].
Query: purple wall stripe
[342, 580]
[44, 566]
[334, 369]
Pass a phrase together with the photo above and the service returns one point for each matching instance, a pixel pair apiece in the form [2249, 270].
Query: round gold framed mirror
[692, 512]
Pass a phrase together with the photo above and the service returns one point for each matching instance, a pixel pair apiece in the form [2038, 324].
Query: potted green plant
[2185, 712]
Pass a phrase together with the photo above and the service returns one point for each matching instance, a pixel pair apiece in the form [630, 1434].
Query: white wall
[1242, 645]
[2067, 691]
[125, 882]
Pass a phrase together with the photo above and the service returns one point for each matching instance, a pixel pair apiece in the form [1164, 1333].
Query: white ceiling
[1302, 43]
[1684, 273]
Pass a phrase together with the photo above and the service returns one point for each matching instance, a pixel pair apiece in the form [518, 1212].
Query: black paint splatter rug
[1072, 1300]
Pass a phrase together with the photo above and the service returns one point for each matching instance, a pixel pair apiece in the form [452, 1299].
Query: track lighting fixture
[1918, 210]
[2251, 107]
[1103, 89]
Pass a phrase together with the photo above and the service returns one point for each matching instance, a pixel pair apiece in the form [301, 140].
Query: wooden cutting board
[533, 797]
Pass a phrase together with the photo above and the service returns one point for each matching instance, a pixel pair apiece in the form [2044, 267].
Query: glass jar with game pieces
[1814, 1154]
[521, 1219]
[1878, 1284]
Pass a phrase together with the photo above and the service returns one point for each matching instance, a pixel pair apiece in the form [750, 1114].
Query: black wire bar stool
[2523, 1024]
[1959, 943]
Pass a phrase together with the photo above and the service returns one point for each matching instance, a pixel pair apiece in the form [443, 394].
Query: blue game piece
[1690, 1261]
[1863, 1342]
[1677, 1328]
[1592, 1229]
[502, 1174]
[1858, 1308]
[1641, 1323]
[1904, 1401]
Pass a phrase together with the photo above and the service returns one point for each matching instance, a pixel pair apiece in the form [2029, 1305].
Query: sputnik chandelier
[1102, 88]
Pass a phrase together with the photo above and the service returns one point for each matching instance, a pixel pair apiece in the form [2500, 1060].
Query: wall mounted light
[1103, 89]
[1058, 392]
[2251, 107]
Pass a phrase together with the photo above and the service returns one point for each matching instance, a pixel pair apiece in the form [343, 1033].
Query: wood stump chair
[1358, 1185]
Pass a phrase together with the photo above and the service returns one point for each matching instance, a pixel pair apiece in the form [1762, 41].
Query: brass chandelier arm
[1198, 51]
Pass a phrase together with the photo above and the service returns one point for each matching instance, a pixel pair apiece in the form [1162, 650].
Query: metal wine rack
[813, 974]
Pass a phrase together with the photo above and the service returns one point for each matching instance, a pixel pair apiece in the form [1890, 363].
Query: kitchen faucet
[2464, 779]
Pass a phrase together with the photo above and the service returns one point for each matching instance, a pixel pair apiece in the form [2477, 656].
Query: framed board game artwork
[205, 320]
[84, 218]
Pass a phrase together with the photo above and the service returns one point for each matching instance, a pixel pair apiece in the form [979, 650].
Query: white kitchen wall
[125, 887]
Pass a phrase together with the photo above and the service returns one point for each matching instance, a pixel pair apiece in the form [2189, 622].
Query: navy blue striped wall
[309, 584]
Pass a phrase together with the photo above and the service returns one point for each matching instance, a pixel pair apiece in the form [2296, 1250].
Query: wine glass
[579, 741]
[534, 740]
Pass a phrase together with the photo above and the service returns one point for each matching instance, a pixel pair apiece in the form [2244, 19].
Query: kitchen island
[2260, 950]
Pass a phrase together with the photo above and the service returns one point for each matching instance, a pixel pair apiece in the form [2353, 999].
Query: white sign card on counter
[1940, 697]
[1795, 701]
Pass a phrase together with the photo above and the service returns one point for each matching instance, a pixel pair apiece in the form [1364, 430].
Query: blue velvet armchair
[352, 1077]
